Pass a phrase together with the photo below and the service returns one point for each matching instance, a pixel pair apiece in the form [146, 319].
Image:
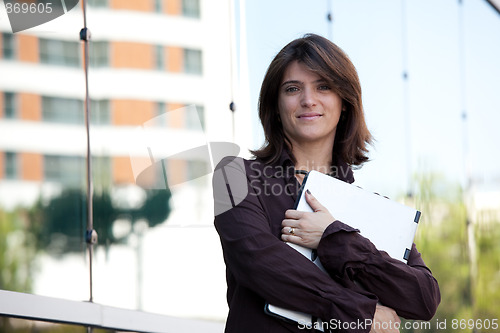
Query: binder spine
[417, 216]
[407, 254]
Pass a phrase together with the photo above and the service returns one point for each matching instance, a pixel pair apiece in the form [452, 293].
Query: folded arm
[410, 289]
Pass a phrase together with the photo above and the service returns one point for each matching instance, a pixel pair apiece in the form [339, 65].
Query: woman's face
[309, 108]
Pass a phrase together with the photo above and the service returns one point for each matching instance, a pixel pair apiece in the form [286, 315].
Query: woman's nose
[308, 98]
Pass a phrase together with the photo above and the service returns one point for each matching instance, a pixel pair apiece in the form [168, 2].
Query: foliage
[60, 223]
[16, 253]
[469, 285]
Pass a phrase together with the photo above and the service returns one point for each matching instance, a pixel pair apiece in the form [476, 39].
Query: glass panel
[160, 57]
[193, 61]
[99, 53]
[158, 6]
[11, 166]
[196, 120]
[62, 110]
[8, 46]
[191, 8]
[98, 3]
[59, 52]
[161, 108]
[69, 170]
[100, 114]
[9, 105]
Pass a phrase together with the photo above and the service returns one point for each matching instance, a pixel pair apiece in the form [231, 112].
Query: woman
[311, 110]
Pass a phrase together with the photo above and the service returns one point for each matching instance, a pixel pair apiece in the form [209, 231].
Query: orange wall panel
[175, 57]
[176, 119]
[30, 107]
[31, 166]
[172, 7]
[138, 5]
[132, 112]
[122, 171]
[28, 48]
[132, 55]
[177, 172]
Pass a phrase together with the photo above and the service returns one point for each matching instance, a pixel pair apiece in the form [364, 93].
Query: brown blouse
[250, 202]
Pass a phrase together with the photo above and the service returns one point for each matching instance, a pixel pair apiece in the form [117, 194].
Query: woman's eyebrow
[291, 82]
[300, 82]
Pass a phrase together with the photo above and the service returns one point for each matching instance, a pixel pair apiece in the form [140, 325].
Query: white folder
[388, 224]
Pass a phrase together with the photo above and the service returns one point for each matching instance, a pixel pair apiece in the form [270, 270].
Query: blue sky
[452, 67]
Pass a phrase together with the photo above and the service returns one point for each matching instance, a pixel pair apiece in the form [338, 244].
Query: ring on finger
[292, 231]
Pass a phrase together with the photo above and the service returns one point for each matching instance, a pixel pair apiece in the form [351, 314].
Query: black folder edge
[417, 216]
[314, 320]
[272, 314]
[266, 306]
[301, 190]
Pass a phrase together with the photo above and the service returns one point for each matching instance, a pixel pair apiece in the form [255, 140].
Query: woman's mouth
[309, 116]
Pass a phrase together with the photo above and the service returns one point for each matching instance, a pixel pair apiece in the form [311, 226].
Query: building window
[158, 6]
[62, 110]
[11, 165]
[193, 61]
[9, 105]
[191, 8]
[101, 171]
[100, 112]
[99, 54]
[72, 111]
[69, 170]
[59, 52]
[8, 46]
[160, 57]
[160, 116]
[98, 3]
[196, 119]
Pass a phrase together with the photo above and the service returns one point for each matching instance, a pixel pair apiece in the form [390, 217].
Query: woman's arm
[261, 262]
[410, 289]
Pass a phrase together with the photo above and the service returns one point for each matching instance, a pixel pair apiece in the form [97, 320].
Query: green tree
[470, 288]
[60, 223]
[16, 257]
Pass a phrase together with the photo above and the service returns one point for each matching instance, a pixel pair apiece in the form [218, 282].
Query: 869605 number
[480, 324]
[25, 8]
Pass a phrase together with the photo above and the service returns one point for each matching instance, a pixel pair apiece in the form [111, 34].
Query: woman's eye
[291, 89]
[324, 87]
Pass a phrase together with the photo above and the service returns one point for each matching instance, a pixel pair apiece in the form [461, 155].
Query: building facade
[160, 83]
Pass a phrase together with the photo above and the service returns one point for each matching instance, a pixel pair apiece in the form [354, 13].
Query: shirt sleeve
[261, 262]
[410, 289]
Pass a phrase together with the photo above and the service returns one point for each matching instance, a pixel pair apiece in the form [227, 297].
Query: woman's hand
[385, 320]
[306, 228]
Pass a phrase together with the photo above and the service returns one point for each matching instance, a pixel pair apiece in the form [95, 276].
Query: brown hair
[331, 63]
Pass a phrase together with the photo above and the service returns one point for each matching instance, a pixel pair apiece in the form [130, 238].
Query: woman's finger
[289, 231]
[314, 203]
[289, 223]
[293, 214]
[291, 238]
